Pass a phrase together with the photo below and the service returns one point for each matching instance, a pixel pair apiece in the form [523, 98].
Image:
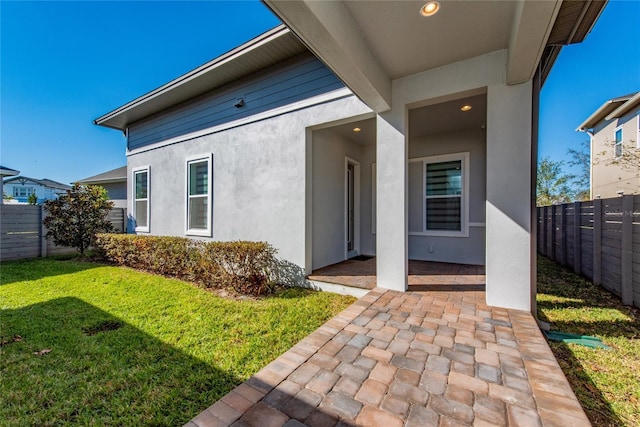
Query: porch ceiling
[370, 43]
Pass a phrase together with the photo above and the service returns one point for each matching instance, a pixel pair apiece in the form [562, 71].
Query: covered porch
[360, 272]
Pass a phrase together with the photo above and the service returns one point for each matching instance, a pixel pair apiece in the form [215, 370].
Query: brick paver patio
[409, 359]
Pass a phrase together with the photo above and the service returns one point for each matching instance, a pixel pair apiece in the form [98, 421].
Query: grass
[607, 383]
[129, 348]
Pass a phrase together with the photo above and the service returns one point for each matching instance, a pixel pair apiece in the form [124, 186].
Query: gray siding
[299, 78]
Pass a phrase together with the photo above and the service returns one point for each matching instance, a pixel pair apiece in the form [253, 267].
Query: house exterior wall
[43, 193]
[259, 177]
[608, 179]
[116, 190]
[329, 153]
[297, 79]
[463, 250]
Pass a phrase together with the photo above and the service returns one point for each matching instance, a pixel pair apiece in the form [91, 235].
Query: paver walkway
[409, 359]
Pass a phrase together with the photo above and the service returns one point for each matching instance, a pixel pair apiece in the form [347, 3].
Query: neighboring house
[361, 128]
[21, 187]
[5, 171]
[114, 181]
[614, 131]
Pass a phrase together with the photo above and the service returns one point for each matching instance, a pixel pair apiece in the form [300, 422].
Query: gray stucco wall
[329, 152]
[464, 250]
[258, 178]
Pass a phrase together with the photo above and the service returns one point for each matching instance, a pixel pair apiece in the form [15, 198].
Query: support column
[509, 272]
[391, 206]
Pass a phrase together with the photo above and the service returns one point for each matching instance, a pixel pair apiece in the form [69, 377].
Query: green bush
[244, 266]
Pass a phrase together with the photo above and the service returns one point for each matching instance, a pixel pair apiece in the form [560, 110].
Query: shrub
[244, 266]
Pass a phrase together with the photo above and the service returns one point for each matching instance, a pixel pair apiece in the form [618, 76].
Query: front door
[350, 207]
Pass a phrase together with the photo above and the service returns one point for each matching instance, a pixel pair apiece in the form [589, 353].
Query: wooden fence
[599, 239]
[22, 232]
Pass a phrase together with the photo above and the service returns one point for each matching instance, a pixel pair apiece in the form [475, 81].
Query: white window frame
[196, 159]
[147, 169]
[28, 191]
[638, 129]
[464, 197]
[616, 142]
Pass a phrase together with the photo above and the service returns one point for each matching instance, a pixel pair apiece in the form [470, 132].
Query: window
[141, 198]
[445, 195]
[618, 143]
[23, 191]
[199, 196]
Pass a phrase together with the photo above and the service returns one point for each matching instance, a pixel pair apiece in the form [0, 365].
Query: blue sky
[64, 64]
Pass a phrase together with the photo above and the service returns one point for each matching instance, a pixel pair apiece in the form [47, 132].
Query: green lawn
[129, 348]
[607, 383]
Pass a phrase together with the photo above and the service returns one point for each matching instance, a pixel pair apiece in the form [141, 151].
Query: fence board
[568, 234]
[21, 232]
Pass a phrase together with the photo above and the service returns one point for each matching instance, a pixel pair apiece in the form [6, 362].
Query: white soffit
[369, 43]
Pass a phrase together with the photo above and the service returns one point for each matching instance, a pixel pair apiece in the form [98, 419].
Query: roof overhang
[633, 102]
[609, 110]
[261, 52]
[4, 171]
[368, 44]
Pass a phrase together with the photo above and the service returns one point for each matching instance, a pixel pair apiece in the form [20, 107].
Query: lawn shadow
[39, 268]
[100, 370]
[599, 411]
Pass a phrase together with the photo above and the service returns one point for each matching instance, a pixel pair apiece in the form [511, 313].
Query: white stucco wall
[259, 178]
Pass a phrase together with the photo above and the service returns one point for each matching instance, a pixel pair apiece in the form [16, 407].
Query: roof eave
[625, 108]
[116, 118]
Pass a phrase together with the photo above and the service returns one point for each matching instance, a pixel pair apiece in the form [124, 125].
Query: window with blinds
[443, 195]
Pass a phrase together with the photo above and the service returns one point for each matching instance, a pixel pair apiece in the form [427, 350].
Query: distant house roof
[611, 109]
[114, 175]
[5, 171]
[259, 53]
[44, 182]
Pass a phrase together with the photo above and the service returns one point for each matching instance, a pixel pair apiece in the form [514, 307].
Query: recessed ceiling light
[465, 108]
[357, 129]
[430, 8]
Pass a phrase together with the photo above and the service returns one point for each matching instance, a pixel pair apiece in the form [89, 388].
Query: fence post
[626, 266]
[553, 233]
[577, 235]
[544, 231]
[563, 234]
[597, 241]
[43, 234]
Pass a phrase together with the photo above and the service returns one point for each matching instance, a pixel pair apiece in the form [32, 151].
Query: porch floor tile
[409, 358]
[423, 275]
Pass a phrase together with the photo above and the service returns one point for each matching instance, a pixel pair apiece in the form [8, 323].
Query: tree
[32, 199]
[76, 217]
[581, 159]
[552, 186]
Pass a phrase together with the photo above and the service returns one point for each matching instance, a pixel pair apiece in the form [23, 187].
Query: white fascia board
[329, 31]
[598, 115]
[532, 25]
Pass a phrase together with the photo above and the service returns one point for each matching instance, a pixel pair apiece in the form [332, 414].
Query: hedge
[244, 266]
